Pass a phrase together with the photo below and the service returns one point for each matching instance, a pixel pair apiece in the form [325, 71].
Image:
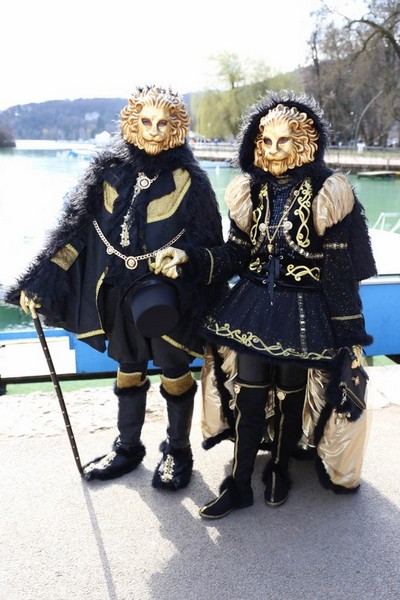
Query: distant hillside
[69, 120]
[63, 119]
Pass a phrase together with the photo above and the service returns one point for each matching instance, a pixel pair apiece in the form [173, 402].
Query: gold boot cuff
[178, 386]
[127, 380]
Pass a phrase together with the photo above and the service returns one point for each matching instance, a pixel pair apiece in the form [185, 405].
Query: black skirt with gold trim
[282, 324]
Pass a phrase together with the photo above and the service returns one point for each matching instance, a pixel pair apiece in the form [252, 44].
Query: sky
[88, 48]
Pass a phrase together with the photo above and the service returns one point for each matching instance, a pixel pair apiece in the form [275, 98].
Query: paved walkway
[62, 538]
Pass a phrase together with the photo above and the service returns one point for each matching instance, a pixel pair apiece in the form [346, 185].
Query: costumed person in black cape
[299, 242]
[144, 192]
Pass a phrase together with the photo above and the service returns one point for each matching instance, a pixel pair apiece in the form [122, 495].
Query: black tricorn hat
[153, 302]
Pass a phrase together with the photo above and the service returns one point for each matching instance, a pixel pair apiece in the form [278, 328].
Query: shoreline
[346, 157]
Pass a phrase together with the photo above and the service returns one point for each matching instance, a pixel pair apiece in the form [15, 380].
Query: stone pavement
[64, 538]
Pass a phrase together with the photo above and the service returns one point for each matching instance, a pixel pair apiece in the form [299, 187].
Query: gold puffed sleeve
[334, 201]
[238, 200]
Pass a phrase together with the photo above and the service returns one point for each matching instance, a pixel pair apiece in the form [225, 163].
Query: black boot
[236, 491]
[174, 470]
[231, 497]
[287, 432]
[127, 451]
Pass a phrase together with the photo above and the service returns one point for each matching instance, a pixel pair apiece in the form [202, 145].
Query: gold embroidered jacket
[320, 236]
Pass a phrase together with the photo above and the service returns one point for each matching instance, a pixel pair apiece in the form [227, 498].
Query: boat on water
[389, 222]
[379, 174]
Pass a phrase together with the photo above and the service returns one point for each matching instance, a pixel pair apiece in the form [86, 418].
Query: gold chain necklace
[142, 183]
[286, 225]
[131, 262]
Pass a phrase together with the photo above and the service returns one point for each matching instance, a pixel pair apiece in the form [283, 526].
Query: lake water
[33, 183]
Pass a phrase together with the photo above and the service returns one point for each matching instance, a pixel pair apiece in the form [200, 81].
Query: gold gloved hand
[168, 260]
[28, 304]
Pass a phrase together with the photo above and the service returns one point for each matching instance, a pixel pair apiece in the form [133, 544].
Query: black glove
[347, 387]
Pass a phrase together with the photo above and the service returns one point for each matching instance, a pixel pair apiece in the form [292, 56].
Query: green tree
[229, 70]
[217, 113]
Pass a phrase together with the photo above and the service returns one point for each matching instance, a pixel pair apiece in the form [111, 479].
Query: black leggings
[173, 362]
[254, 370]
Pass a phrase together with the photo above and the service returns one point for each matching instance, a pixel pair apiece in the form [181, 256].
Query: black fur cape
[83, 203]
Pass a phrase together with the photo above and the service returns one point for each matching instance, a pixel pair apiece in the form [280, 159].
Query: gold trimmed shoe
[174, 470]
[116, 463]
[277, 485]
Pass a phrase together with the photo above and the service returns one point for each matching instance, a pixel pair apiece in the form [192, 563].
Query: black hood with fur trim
[250, 129]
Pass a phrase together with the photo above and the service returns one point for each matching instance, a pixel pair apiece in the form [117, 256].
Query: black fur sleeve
[341, 287]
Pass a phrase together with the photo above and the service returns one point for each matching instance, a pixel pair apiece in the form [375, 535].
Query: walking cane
[54, 378]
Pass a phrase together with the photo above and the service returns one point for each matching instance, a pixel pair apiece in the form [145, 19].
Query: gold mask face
[277, 146]
[155, 120]
[286, 140]
[154, 129]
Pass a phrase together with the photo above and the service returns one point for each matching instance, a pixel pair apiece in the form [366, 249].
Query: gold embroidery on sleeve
[65, 257]
[346, 318]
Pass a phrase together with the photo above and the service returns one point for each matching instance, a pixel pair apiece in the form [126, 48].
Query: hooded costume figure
[94, 275]
[299, 242]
